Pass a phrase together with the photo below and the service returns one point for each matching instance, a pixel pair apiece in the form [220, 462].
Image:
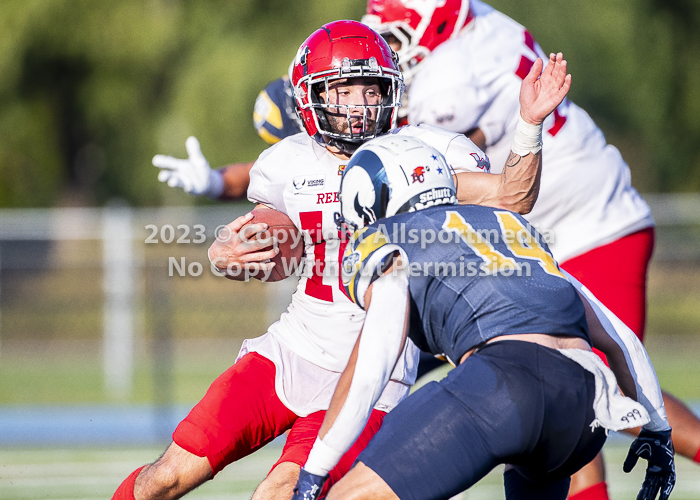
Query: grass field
[92, 474]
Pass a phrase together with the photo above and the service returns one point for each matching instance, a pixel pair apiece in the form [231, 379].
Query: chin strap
[344, 146]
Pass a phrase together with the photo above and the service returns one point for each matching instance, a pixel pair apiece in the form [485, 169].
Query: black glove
[308, 486]
[657, 449]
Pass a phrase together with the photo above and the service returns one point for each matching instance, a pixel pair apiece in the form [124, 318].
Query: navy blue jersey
[475, 273]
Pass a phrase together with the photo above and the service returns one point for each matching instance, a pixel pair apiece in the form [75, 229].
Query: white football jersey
[473, 81]
[301, 178]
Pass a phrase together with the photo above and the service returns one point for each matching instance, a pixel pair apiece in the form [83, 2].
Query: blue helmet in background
[274, 115]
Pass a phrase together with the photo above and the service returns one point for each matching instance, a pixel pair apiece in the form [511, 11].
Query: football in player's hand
[289, 240]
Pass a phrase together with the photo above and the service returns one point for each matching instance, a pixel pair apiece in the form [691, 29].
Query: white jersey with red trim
[301, 178]
[473, 81]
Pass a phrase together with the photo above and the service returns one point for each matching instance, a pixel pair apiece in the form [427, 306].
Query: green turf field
[92, 474]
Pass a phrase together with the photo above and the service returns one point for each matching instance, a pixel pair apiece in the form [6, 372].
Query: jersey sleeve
[439, 109]
[461, 154]
[367, 256]
[469, 83]
[501, 118]
[265, 188]
[464, 156]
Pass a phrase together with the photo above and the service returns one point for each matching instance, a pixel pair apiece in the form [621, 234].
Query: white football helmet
[390, 175]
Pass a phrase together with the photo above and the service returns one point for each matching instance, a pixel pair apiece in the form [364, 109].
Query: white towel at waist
[613, 411]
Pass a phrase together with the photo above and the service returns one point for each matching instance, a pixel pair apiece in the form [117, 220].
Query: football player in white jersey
[348, 88]
[462, 61]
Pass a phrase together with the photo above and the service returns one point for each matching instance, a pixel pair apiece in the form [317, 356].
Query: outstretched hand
[193, 175]
[657, 449]
[542, 91]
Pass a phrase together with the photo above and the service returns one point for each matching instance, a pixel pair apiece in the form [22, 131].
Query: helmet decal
[418, 174]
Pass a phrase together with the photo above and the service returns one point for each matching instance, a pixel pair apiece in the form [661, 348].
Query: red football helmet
[339, 50]
[420, 26]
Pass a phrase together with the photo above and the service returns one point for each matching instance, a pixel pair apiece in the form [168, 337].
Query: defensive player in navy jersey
[479, 286]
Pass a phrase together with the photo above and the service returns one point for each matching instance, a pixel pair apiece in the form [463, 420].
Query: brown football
[290, 242]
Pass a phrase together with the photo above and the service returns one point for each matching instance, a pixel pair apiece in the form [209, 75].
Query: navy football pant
[511, 402]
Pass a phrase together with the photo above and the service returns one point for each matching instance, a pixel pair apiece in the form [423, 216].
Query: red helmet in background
[339, 50]
[420, 26]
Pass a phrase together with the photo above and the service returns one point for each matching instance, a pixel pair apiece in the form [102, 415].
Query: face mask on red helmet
[346, 54]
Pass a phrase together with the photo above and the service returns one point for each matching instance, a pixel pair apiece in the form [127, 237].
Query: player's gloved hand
[308, 486]
[657, 449]
[194, 174]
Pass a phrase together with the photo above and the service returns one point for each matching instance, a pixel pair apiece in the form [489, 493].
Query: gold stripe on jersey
[361, 247]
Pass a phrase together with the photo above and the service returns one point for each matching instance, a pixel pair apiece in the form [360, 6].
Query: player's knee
[279, 483]
[172, 475]
[158, 480]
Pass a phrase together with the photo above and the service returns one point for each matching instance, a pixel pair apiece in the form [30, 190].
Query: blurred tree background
[91, 90]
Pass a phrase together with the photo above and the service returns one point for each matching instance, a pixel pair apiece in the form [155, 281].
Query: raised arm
[370, 366]
[517, 187]
[194, 175]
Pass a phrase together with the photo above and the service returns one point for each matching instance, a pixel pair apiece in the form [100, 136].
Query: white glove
[194, 174]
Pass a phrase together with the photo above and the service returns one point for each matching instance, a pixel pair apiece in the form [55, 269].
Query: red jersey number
[313, 222]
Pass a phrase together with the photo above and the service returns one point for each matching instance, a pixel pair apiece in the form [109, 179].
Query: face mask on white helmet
[389, 175]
